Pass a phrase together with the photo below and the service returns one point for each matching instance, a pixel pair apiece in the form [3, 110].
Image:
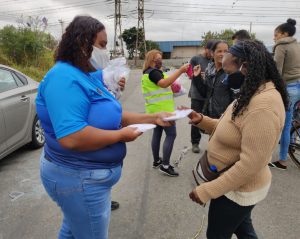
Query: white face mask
[99, 58]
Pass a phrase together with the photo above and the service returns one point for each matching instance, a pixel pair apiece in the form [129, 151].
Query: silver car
[19, 124]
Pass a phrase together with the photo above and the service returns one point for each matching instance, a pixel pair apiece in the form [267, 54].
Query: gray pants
[167, 145]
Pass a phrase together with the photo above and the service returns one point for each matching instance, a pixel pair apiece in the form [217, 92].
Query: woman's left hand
[197, 70]
[159, 119]
[194, 196]
[122, 83]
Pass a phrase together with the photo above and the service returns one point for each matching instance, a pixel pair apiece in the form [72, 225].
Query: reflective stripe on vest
[166, 97]
[156, 92]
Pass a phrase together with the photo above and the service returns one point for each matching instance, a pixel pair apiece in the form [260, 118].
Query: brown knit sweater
[248, 143]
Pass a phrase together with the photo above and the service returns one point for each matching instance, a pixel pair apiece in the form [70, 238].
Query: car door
[2, 133]
[16, 108]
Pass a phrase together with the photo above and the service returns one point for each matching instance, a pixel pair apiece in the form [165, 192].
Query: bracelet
[201, 118]
[196, 123]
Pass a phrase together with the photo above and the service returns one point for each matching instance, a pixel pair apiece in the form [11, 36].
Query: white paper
[143, 127]
[179, 114]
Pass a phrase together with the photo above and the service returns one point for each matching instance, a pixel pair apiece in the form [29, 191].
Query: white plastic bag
[179, 90]
[112, 74]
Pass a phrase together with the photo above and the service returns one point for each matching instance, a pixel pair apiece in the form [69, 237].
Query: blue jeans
[293, 90]
[84, 197]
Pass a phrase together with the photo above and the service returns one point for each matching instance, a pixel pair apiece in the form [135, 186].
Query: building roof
[167, 46]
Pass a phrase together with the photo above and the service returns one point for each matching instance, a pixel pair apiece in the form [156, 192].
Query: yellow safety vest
[157, 99]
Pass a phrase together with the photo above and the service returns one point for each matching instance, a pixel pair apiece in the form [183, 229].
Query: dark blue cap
[238, 50]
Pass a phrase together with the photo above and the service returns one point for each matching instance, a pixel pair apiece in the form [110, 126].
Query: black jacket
[218, 94]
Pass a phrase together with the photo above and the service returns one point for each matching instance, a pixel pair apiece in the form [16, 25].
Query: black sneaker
[114, 205]
[169, 171]
[157, 163]
[195, 149]
[277, 165]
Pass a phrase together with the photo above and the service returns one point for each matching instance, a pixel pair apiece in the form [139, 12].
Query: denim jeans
[168, 143]
[293, 90]
[226, 218]
[84, 196]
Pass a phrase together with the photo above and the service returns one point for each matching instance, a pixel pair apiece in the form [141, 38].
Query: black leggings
[168, 143]
[226, 218]
[197, 105]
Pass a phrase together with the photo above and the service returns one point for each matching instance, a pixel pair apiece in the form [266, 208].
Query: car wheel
[38, 138]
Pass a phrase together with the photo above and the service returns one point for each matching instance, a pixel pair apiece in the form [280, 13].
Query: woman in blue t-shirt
[85, 131]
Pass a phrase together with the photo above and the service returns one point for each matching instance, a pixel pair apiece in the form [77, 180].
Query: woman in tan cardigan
[244, 138]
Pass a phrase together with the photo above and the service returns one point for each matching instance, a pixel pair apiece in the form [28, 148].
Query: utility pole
[250, 28]
[62, 26]
[118, 40]
[140, 35]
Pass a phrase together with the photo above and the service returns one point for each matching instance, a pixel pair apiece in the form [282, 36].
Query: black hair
[241, 35]
[216, 43]
[261, 68]
[209, 44]
[288, 27]
[77, 42]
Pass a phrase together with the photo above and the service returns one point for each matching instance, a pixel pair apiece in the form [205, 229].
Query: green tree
[129, 37]
[224, 35]
[150, 45]
[25, 46]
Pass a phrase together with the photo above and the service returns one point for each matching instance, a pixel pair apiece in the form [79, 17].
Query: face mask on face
[236, 80]
[99, 58]
[158, 64]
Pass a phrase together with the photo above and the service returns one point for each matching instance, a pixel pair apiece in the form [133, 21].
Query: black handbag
[206, 172]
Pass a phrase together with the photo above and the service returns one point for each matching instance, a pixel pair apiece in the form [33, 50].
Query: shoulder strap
[149, 70]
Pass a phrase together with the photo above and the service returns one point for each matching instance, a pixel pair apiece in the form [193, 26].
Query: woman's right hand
[129, 134]
[195, 118]
[184, 68]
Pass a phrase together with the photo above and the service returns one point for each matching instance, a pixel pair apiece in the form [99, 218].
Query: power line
[211, 21]
[239, 14]
[289, 1]
[55, 8]
[224, 7]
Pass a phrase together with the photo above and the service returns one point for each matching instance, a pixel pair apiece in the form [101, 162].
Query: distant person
[85, 134]
[197, 95]
[240, 35]
[218, 95]
[159, 97]
[287, 58]
[244, 139]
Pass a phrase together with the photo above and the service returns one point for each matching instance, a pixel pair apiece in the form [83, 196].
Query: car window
[18, 80]
[7, 81]
[22, 78]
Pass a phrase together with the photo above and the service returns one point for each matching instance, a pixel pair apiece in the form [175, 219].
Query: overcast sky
[164, 19]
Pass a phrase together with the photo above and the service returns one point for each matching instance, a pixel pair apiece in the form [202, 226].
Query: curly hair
[261, 68]
[76, 45]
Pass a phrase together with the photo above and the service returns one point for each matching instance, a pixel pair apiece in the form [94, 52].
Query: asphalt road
[153, 206]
